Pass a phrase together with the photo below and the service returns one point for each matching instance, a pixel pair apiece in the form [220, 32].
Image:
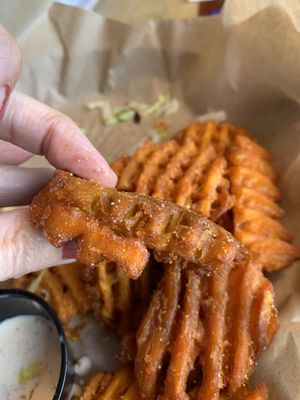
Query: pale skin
[29, 127]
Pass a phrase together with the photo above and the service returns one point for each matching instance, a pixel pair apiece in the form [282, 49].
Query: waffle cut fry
[188, 335]
[204, 183]
[204, 333]
[113, 296]
[121, 386]
[120, 226]
[255, 212]
[62, 287]
[107, 386]
[185, 170]
[220, 171]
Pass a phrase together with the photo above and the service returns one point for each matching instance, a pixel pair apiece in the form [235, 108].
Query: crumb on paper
[160, 132]
[217, 116]
[83, 366]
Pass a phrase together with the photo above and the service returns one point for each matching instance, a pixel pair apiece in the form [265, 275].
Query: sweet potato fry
[201, 333]
[272, 253]
[117, 226]
[121, 386]
[186, 345]
[130, 172]
[188, 183]
[221, 325]
[62, 287]
[96, 386]
[165, 181]
[154, 165]
[154, 333]
[214, 198]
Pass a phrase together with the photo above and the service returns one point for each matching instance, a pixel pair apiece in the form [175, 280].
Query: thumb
[22, 248]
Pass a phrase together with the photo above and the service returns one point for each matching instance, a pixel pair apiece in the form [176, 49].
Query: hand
[28, 127]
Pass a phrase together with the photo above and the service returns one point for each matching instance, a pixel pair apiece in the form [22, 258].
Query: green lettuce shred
[32, 371]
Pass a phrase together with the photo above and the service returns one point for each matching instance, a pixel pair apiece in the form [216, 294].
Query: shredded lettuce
[105, 108]
[155, 107]
[34, 285]
[162, 106]
[124, 114]
[160, 133]
[32, 371]
[163, 133]
[171, 107]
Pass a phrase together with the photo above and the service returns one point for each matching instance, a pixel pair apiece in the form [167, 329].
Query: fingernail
[4, 95]
[107, 176]
[113, 177]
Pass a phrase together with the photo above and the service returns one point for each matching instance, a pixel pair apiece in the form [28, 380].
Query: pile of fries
[188, 334]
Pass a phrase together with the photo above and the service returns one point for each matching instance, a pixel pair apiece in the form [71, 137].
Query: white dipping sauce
[30, 358]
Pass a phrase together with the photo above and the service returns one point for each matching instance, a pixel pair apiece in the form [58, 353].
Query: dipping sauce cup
[34, 357]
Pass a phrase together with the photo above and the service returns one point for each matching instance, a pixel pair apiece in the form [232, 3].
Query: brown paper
[134, 13]
[245, 61]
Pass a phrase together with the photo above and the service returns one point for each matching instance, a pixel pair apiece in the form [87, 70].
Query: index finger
[10, 59]
[42, 130]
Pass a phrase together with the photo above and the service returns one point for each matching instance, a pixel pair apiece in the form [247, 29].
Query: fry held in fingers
[118, 226]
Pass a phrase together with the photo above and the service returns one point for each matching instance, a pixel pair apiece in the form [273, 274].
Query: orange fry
[155, 331]
[252, 179]
[118, 225]
[184, 350]
[154, 165]
[134, 165]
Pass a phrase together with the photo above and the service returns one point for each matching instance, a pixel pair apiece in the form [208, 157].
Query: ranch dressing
[30, 358]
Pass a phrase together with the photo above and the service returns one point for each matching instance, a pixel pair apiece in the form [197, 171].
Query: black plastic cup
[16, 302]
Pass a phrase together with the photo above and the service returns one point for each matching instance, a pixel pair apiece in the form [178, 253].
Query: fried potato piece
[121, 386]
[117, 226]
[155, 331]
[154, 165]
[250, 199]
[192, 178]
[106, 279]
[107, 386]
[214, 198]
[134, 165]
[119, 165]
[255, 221]
[185, 348]
[62, 287]
[237, 307]
[230, 194]
[272, 253]
[255, 212]
[188, 183]
[207, 347]
[118, 301]
[96, 386]
[252, 179]
[221, 325]
[165, 181]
